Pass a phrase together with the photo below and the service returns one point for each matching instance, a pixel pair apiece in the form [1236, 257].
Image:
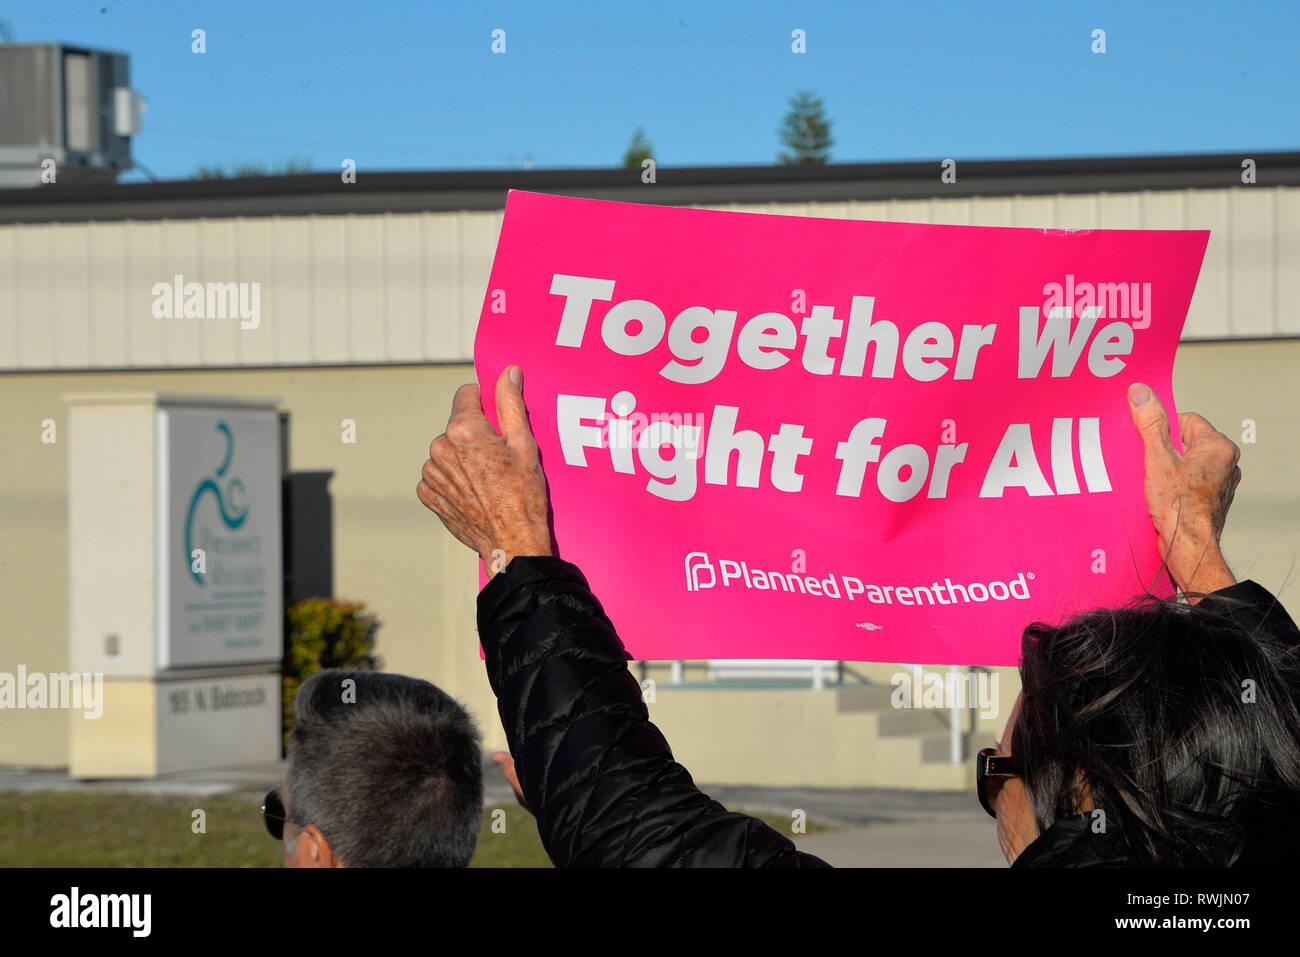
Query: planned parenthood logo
[231, 512]
[702, 573]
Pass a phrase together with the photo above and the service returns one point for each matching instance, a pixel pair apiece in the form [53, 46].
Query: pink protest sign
[785, 437]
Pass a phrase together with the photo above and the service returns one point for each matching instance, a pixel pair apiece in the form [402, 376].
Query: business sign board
[787, 437]
[220, 569]
[221, 721]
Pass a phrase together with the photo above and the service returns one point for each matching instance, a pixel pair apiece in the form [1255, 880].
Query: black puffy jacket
[598, 775]
[601, 778]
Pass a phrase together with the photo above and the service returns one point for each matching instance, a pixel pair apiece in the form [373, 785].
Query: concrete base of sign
[182, 722]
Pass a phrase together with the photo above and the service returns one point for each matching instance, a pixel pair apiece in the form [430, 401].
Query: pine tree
[638, 151]
[806, 131]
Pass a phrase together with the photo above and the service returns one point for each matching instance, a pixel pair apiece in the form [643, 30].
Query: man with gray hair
[384, 771]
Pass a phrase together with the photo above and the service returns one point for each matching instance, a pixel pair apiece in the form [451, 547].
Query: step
[864, 697]
[935, 750]
[916, 722]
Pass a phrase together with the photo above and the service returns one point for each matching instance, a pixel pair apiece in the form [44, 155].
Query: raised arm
[1188, 494]
[597, 774]
[1188, 497]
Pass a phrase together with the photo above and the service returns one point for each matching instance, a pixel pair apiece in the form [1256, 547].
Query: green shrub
[325, 633]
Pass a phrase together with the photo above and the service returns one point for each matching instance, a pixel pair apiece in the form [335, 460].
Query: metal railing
[962, 719]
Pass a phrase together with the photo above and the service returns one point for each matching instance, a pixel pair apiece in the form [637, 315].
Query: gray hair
[389, 768]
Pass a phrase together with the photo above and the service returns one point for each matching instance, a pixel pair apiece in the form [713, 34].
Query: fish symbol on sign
[869, 626]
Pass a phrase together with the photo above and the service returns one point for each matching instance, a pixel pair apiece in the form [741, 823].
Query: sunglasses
[991, 770]
[273, 814]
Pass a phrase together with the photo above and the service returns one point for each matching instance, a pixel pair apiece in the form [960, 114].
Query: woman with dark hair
[1159, 734]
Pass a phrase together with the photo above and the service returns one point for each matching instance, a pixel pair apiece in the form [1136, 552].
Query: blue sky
[415, 85]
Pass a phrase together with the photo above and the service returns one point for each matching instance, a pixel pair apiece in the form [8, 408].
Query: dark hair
[389, 768]
[1182, 724]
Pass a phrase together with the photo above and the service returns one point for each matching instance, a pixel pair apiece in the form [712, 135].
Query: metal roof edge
[444, 191]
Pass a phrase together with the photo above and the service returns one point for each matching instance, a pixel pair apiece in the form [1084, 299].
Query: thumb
[512, 414]
[1150, 419]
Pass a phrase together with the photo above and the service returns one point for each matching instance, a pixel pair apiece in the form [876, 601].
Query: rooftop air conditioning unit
[68, 105]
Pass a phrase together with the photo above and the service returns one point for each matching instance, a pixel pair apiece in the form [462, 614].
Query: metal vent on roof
[68, 105]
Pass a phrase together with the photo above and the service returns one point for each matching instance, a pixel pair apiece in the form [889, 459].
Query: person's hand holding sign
[1188, 495]
[488, 489]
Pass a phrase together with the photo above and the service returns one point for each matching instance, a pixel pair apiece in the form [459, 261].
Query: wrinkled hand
[1188, 495]
[489, 489]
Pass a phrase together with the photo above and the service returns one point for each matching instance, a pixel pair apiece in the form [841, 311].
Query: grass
[101, 829]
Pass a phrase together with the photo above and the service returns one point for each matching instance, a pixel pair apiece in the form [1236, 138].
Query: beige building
[369, 294]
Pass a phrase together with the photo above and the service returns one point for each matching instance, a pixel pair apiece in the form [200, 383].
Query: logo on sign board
[231, 518]
[695, 563]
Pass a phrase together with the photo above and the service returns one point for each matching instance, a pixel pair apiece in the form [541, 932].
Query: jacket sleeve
[598, 775]
[1254, 608]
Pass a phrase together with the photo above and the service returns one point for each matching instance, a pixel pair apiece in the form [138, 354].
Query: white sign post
[175, 581]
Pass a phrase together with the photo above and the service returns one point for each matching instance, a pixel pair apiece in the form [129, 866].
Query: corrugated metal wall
[365, 289]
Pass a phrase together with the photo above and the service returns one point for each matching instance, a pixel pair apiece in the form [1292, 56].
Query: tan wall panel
[1077, 212]
[145, 334]
[1254, 264]
[1119, 211]
[909, 210]
[874, 212]
[367, 258]
[9, 356]
[404, 292]
[254, 262]
[995, 211]
[219, 338]
[395, 556]
[80, 295]
[824, 210]
[328, 242]
[1164, 209]
[1229, 383]
[478, 242]
[33, 558]
[1287, 222]
[293, 297]
[70, 315]
[950, 212]
[124, 745]
[1211, 310]
[104, 296]
[1034, 212]
[180, 255]
[444, 298]
[37, 279]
